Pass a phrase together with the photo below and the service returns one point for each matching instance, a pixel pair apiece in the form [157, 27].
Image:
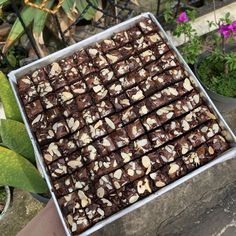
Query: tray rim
[69, 50]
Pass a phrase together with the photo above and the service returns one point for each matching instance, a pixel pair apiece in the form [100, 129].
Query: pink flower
[225, 31]
[183, 17]
[232, 26]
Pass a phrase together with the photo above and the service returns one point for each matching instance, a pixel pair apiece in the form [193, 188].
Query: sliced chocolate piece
[115, 89]
[134, 63]
[91, 115]
[121, 68]
[93, 80]
[141, 146]
[78, 87]
[89, 153]
[153, 39]
[80, 56]
[69, 107]
[93, 50]
[51, 152]
[119, 178]
[39, 122]
[86, 195]
[94, 213]
[49, 101]
[98, 129]
[69, 69]
[64, 94]
[33, 109]
[29, 96]
[58, 168]
[60, 129]
[78, 221]
[114, 56]
[170, 93]
[135, 94]
[183, 87]
[161, 80]
[160, 179]
[165, 113]
[134, 170]
[135, 129]
[151, 121]
[107, 75]
[105, 108]
[81, 178]
[127, 154]
[177, 73]
[69, 203]
[147, 56]
[144, 186]
[128, 195]
[203, 114]
[63, 186]
[157, 100]
[120, 102]
[189, 121]
[191, 161]
[140, 44]
[53, 70]
[75, 122]
[209, 130]
[167, 153]
[217, 145]
[43, 88]
[148, 86]
[173, 129]
[204, 155]
[99, 93]
[158, 137]
[181, 107]
[107, 45]
[38, 76]
[103, 186]
[126, 51]
[24, 83]
[160, 49]
[74, 161]
[154, 68]
[151, 162]
[168, 61]
[134, 33]
[194, 100]
[45, 136]
[112, 123]
[82, 137]
[121, 38]
[143, 107]
[108, 206]
[120, 138]
[83, 101]
[176, 169]
[87, 68]
[183, 146]
[128, 115]
[147, 26]
[67, 146]
[196, 138]
[100, 61]
[105, 146]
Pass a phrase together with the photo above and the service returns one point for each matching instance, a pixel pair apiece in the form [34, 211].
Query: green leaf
[3, 2]
[15, 137]
[8, 100]
[17, 29]
[18, 172]
[90, 13]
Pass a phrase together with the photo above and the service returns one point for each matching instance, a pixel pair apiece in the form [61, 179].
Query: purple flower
[183, 17]
[225, 31]
[232, 26]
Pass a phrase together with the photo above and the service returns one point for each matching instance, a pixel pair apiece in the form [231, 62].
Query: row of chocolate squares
[29, 92]
[52, 125]
[84, 208]
[131, 160]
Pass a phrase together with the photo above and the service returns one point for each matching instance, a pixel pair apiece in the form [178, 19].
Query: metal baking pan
[68, 51]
